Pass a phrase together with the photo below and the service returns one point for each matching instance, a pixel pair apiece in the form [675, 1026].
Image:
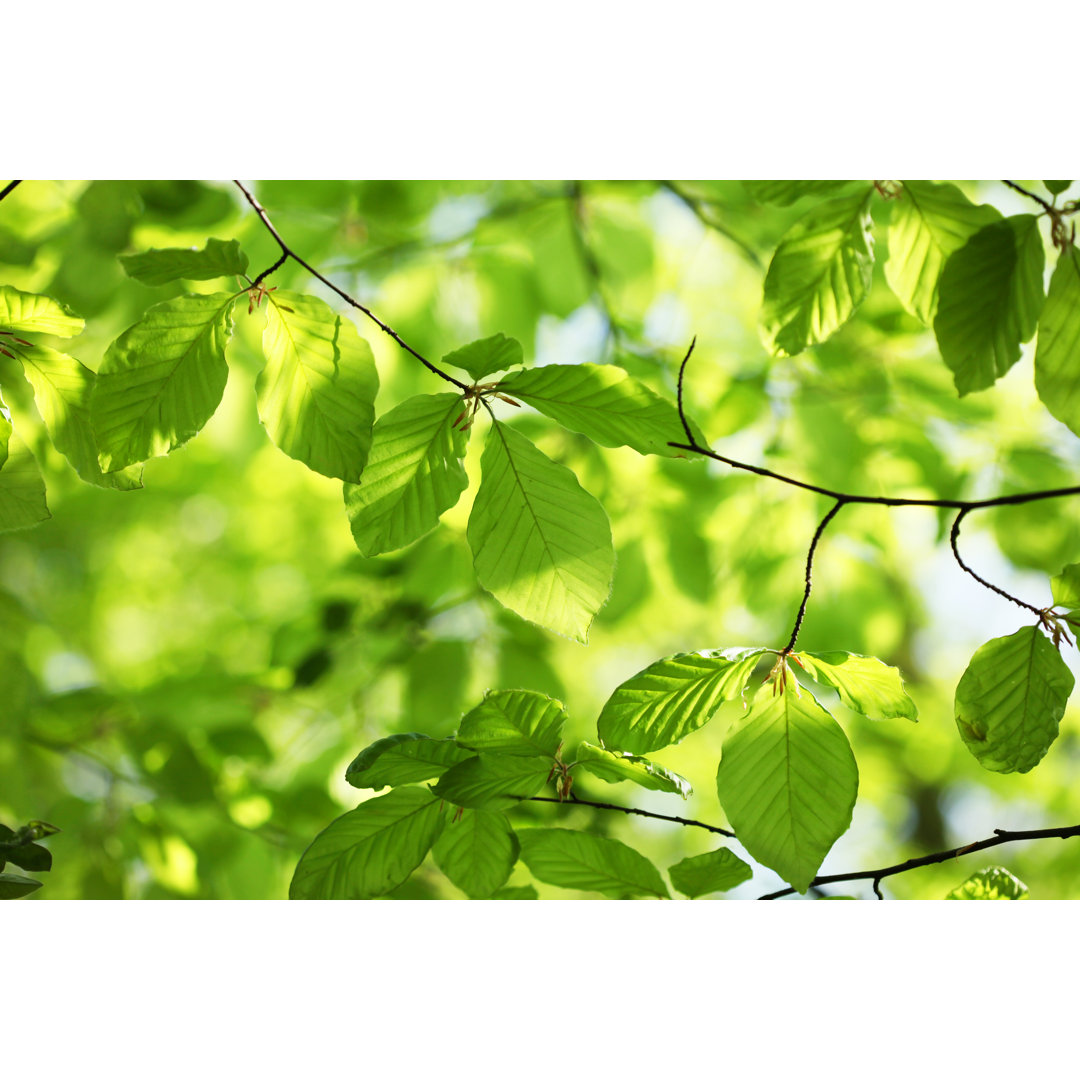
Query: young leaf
[413, 474]
[1056, 187]
[62, 391]
[614, 766]
[487, 356]
[818, 276]
[404, 758]
[603, 402]
[787, 192]
[220, 258]
[1010, 699]
[493, 780]
[576, 860]
[161, 380]
[370, 850]
[787, 782]
[1065, 587]
[12, 886]
[993, 883]
[929, 222]
[864, 683]
[1057, 354]
[22, 491]
[30, 313]
[541, 544]
[715, 871]
[519, 722]
[317, 392]
[477, 852]
[989, 298]
[672, 697]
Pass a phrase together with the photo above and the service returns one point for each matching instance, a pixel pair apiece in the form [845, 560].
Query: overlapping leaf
[787, 192]
[818, 276]
[30, 313]
[403, 758]
[161, 380]
[541, 544]
[673, 697]
[477, 852]
[787, 782]
[577, 860]
[22, 490]
[414, 473]
[715, 871]
[1010, 700]
[370, 850]
[615, 766]
[864, 683]
[1065, 587]
[13, 886]
[993, 883]
[158, 266]
[493, 780]
[520, 722]
[1057, 354]
[990, 295]
[316, 394]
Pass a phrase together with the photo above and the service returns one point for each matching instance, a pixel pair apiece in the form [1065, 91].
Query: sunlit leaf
[519, 722]
[1065, 587]
[864, 683]
[493, 780]
[22, 491]
[993, 883]
[715, 871]
[219, 258]
[787, 192]
[615, 765]
[1057, 354]
[404, 758]
[33, 314]
[485, 357]
[477, 852]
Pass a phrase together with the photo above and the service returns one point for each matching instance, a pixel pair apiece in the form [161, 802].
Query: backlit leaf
[993, 883]
[487, 356]
[404, 758]
[864, 683]
[787, 192]
[477, 852]
[514, 722]
[1057, 353]
[22, 491]
[33, 314]
[715, 871]
[615, 765]
[1065, 587]
[219, 258]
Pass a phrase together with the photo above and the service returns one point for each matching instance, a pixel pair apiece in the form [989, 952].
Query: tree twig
[575, 801]
[837, 506]
[1030, 195]
[9, 189]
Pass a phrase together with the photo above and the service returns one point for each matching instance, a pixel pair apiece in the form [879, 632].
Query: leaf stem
[837, 506]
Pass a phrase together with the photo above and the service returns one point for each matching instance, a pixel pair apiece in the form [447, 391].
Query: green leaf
[413, 474]
[929, 222]
[404, 758]
[161, 380]
[1056, 187]
[514, 722]
[1010, 699]
[818, 276]
[30, 313]
[158, 266]
[517, 892]
[317, 392]
[541, 544]
[864, 683]
[5, 433]
[715, 871]
[487, 356]
[12, 886]
[989, 298]
[1065, 587]
[786, 192]
[22, 491]
[62, 391]
[603, 402]
[493, 779]
[614, 766]
[370, 850]
[787, 782]
[1057, 354]
[673, 697]
[28, 856]
[477, 852]
[993, 883]
[576, 860]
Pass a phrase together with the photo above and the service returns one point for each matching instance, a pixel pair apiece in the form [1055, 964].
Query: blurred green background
[186, 670]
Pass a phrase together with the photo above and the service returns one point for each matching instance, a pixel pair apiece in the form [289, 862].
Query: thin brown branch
[9, 189]
[575, 801]
[837, 506]
[1030, 195]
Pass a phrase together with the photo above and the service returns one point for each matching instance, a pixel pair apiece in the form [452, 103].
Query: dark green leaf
[514, 722]
[404, 758]
[1056, 187]
[493, 780]
[614, 766]
[1057, 354]
[715, 871]
[993, 883]
[220, 258]
[30, 856]
[12, 886]
[487, 356]
[477, 852]
[516, 892]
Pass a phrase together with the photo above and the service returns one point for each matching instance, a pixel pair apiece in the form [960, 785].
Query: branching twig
[9, 189]
[588, 257]
[1030, 195]
[288, 253]
[809, 567]
[575, 801]
[1001, 836]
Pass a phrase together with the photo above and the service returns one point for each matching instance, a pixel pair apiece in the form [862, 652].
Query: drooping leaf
[541, 543]
[370, 850]
[30, 313]
[158, 266]
[514, 722]
[477, 852]
[22, 491]
[485, 357]
[161, 380]
[414, 473]
[1010, 699]
[28, 856]
[614, 766]
[1056, 187]
[1057, 354]
[404, 758]
[929, 222]
[576, 860]
[993, 883]
[1065, 587]
[517, 892]
[62, 391]
[673, 697]
[12, 886]
[715, 871]
[818, 276]
[493, 780]
[317, 392]
[864, 683]
[787, 782]
[989, 297]
[787, 192]
[603, 402]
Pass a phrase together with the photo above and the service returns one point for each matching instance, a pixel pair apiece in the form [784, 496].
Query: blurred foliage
[188, 668]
